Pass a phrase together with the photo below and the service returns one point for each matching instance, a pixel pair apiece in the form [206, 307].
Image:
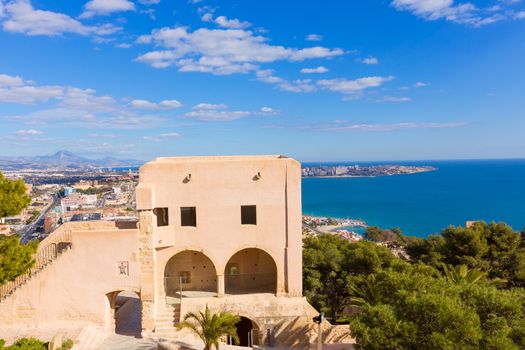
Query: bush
[33, 344]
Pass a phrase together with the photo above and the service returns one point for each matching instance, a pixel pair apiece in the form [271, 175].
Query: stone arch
[251, 270]
[248, 331]
[125, 315]
[191, 272]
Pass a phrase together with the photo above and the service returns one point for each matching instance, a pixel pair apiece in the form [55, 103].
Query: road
[25, 236]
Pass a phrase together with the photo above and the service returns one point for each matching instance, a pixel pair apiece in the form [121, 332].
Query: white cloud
[7, 80]
[520, 15]
[16, 90]
[463, 13]
[316, 70]
[420, 84]
[214, 112]
[220, 51]
[1, 8]
[391, 127]
[103, 136]
[73, 106]
[106, 7]
[29, 132]
[267, 110]
[209, 106]
[300, 85]
[396, 99]
[165, 104]
[370, 60]
[347, 126]
[123, 46]
[314, 37]
[149, 2]
[87, 100]
[207, 17]
[346, 86]
[161, 136]
[231, 23]
[21, 17]
[80, 118]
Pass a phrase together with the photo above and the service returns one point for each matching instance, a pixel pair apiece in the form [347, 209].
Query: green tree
[211, 327]
[493, 248]
[15, 258]
[329, 261]
[13, 196]
[461, 274]
[424, 302]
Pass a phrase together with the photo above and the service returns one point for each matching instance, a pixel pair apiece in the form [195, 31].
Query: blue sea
[424, 203]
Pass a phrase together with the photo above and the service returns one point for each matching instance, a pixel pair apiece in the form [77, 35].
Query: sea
[424, 203]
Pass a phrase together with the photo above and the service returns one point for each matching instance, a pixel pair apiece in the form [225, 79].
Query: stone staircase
[167, 321]
[90, 338]
[50, 249]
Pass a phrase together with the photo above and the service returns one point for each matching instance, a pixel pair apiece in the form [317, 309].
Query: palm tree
[211, 327]
[462, 274]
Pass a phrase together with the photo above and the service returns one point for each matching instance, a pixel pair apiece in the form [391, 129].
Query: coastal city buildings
[218, 231]
[362, 171]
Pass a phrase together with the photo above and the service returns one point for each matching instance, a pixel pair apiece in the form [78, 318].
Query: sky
[334, 80]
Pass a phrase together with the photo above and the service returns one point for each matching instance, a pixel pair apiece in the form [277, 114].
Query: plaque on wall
[123, 268]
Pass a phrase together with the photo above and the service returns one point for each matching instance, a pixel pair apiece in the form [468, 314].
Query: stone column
[220, 285]
[110, 313]
[147, 270]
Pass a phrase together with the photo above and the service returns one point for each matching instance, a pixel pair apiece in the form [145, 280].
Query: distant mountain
[64, 160]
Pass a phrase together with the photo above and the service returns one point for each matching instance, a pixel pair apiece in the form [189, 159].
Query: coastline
[365, 176]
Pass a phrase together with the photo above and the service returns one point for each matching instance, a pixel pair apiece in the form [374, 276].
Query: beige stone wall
[288, 319]
[217, 187]
[202, 273]
[73, 288]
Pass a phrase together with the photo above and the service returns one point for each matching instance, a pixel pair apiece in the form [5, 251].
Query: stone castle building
[218, 231]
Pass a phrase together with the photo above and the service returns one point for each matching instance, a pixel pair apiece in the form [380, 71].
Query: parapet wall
[73, 288]
[287, 319]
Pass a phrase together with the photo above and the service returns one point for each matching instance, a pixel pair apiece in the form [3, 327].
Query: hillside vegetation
[462, 289]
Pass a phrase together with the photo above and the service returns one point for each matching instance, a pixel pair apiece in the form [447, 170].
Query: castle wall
[72, 289]
[218, 187]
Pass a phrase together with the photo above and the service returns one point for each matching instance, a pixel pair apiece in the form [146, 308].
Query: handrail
[54, 246]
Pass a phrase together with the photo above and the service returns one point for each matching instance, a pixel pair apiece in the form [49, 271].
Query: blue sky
[316, 80]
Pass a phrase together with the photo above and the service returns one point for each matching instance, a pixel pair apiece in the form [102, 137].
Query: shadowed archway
[190, 273]
[250, 270]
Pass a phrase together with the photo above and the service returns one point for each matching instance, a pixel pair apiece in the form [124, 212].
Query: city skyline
[389, 80]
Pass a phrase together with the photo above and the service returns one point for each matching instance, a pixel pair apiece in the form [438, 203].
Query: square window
[248, 215]
[184, 277]
[188, 216]
[162, 216]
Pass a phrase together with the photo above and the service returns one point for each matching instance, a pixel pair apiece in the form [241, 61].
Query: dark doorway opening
[128, 314]
[247, 332]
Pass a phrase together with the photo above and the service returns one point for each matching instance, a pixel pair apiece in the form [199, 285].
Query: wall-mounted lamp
[257, 176]
[187, 179]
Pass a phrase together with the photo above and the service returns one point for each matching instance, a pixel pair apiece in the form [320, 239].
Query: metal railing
[178, 288]
[250, 283]
[49, 250]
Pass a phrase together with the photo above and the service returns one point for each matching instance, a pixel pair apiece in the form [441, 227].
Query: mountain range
[64, 160]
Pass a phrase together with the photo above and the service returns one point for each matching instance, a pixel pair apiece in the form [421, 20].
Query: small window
[188, 216]
[162, 216]
[185, 277]
[248, 215]
[233, 269]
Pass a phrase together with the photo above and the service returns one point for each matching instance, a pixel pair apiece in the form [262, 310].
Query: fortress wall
[73, 288]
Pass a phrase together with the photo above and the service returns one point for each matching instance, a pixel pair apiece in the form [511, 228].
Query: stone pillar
[220, 285]
[293, 250]
[147, 270]
[110, 313]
